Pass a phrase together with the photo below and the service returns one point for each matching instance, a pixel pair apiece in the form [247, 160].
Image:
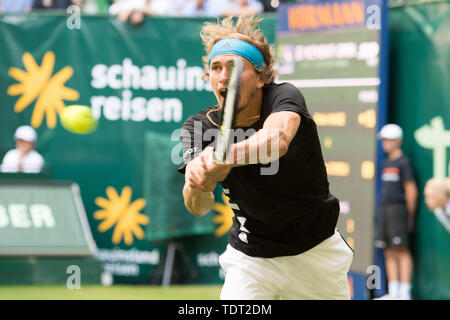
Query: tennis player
[283, 241]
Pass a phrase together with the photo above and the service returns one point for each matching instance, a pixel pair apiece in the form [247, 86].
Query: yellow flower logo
[118, 211]
[224, 217]
[36, 81]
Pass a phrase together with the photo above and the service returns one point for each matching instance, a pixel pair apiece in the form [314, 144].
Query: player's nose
[223, 77]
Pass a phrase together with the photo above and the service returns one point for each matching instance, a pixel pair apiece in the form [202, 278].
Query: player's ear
[260, 82]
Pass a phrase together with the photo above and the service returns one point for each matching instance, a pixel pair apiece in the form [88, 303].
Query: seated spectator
[201, 8]
[13, 6]
[23, 158]
[136, 10]
[169, 8]
[238, 7]
[95, 6]
[437, 199]
[132, 10]
[51, 4]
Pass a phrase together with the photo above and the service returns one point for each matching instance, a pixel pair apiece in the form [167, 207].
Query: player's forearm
[264, 146]
[197, 202]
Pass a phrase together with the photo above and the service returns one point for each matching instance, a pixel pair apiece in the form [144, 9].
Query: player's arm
[201, 178]
[270, 142]
[411, 194]
[203, 172]
[196, 201]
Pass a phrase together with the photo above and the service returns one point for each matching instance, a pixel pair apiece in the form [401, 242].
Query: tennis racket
[228, 114]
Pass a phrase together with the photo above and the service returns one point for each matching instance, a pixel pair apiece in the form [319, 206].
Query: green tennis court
[116, 292]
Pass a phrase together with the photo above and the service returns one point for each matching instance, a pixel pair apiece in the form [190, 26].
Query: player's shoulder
[208, 118]
[284, 92]
[283, 88]
[284, 97]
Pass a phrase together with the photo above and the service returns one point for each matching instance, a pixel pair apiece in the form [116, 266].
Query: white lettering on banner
[19, 216]
[129, 76]
[23, 216]
[99, 80]
[4, 220]
[131, 255]
[367, 51]
[368, 96]
[41, 215]
[208, 259]
[118, 269]
[120, 262]
[137, 109]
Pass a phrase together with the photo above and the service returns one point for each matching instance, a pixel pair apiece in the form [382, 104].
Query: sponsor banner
[139, 81]
[43, 219]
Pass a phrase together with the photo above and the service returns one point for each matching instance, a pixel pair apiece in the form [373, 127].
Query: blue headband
[239, 47]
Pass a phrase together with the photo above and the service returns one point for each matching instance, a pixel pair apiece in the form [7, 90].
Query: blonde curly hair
[246, 29]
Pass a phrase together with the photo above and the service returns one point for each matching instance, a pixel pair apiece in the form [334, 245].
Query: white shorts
[319, 273]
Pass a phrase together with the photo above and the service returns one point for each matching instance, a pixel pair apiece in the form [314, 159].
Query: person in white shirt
[136, 10]
[23, 158]
[437, 199]
[240, 7]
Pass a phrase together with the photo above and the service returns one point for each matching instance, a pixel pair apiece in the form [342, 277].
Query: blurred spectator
[271, 5]
[96, 6]
[170, 8]
[201, 8]
[23, 158]
[11, 6]
[133, 10]
[437, 199]
[90, 7]
[238, 7]
[51, 4]
[396, 220]
[79, 3]
[136, 10]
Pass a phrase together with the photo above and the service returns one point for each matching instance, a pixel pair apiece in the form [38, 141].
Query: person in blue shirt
[14, 6]
[202, 8]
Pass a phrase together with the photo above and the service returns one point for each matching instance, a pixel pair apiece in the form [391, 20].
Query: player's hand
[203, 173]
[196, 176]
[215, 171]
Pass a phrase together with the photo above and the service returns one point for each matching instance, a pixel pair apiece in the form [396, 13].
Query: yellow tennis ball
[78, 119]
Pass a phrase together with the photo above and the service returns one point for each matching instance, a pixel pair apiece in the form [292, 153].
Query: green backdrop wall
[420, 103]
